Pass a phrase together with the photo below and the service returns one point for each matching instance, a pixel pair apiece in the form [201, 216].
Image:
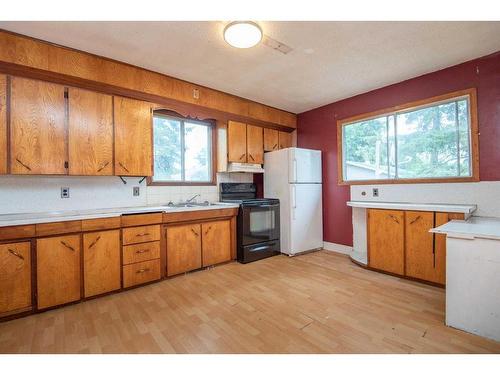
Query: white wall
[20, 194]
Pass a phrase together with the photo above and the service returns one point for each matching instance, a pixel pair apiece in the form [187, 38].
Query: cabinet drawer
[141, 252]
[141, 234]
[140, 273]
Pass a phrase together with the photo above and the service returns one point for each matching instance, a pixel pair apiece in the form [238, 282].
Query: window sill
[411, 181]
[179, 183]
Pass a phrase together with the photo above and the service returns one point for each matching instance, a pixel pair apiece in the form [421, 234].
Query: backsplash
[19, 194]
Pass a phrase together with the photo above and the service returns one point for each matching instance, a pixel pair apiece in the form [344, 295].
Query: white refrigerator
[293, 175]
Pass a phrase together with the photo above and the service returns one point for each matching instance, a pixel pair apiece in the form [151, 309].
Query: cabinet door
[419, 245]
[101, 262]
[285, 140]
[38, 131]
[386, 240]
[216, 246]
[271, 139]
[90, 133]
[237, 142]
[133, 137]
[255, 145]
[3, 124]
[15, 277]
[440, 245]
[183, 248]
[58, 270]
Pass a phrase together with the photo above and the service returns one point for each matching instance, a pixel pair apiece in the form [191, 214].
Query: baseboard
[336, 247]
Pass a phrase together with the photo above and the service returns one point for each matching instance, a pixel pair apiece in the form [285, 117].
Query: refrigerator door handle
[295, 170]
[294, 206]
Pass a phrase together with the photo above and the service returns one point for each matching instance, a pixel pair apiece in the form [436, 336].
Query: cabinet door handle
[142, 251]
[251, 157]
[67, 246]
[24, 165]
[196, 234]
[210, 227]
[142, 234]
[124, 167]
[104, 166]
[394, 218]
[414, 220]
[15, 253]
[275, 145]
[242, 156]
[95, 242]
[143, 270]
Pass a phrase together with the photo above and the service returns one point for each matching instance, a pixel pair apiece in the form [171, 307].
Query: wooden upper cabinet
[58, 270]
[271, 139]
[101, 262]
[37, 130]
[255, 145]
[90, 133]
[386, 240]
[419, 245]
[183, 248]
[285, 140]
[237, 142]
[15, 277]
[216, 242]
[133, 137]
[3, 124]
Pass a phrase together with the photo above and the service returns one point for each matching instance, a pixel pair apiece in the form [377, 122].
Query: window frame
[213, 151]
[408, 107]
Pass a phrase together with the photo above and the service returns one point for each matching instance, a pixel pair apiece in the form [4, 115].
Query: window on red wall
[427, 141]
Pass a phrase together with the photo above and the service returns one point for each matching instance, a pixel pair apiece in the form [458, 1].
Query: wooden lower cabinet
[58, 270]
[440, 245]
[216, 242]
[15, 277]
[386, 240]
[419, 259]
[140, 273]
[101, 262]
[183, 248]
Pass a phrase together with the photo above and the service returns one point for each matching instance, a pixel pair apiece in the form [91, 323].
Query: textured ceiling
[329, 61]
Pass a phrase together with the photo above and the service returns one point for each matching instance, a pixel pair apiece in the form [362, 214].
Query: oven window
[261, 222]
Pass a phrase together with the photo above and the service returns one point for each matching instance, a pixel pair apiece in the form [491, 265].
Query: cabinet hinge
[66, 164]
[66, 94]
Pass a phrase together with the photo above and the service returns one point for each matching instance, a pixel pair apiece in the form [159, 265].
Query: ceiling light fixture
[243, 34]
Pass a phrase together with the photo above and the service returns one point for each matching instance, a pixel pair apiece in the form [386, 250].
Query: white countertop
[7, 220]
[475, 227]
[466, 209]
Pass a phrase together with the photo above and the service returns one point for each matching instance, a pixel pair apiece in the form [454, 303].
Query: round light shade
[242, 34]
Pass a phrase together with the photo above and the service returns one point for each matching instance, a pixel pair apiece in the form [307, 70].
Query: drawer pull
[103, 166]
[242, 156]
[196, 234]
[67, 246]
[24, 165]
[124, 167]
[142, 234]
[394, 218]
[143, 270]
[414, 220]
[142, 251]
[95, 242]
[15, 253]
[210, 227]
[251, 157]
[275, 145]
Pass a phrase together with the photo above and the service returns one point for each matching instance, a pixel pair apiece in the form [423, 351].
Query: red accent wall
[316, 129]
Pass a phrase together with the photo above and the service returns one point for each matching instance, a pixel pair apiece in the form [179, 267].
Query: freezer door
[304, 166]
[306, 219]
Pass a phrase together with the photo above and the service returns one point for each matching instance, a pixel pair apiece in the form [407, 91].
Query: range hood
[245, 167]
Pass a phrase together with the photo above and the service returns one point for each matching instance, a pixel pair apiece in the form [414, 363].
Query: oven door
[260, 222]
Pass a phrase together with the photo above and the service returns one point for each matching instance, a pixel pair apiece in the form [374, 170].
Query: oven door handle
[261, 205]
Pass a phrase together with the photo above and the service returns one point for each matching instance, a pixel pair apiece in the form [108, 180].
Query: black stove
[258, 221]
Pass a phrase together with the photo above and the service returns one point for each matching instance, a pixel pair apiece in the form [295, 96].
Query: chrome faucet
[192, 198]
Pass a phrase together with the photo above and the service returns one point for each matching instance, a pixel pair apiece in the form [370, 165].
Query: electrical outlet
[375, 192]
[196, 94]
[65, 192]
[136, 191]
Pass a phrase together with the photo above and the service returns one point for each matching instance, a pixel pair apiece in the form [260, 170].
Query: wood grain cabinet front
[255, 145]
[37, 127]
[386, 240]
[133, 137]
[216, 242]
[419, 254]
[271, 139]
[3, 124]
[15, 278]
[140, 273]
[145, 233]
[285, 140]
[101, 262]
[58, 270]
[183, 248]
[90, 133]
[236, 142]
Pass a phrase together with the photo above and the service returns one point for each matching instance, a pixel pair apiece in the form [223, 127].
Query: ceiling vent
[275, 45]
